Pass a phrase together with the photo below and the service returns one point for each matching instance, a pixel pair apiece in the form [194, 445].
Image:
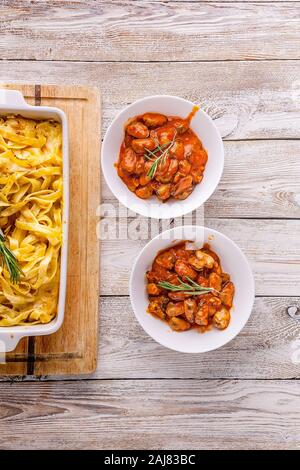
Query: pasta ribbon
[31, 190]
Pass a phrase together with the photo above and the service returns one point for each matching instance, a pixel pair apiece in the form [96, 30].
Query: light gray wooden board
[167, 414]
[267, 348]
[247, 100]
[142, 31]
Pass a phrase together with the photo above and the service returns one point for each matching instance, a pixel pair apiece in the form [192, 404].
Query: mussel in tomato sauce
[161, 156]
[188, 289]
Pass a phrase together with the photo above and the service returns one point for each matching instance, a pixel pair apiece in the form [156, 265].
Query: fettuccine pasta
[30, 218]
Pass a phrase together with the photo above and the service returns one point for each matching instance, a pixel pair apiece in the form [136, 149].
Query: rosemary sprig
[156, 159]
[192, 289]
[9, 259]
[196, 285]
[152, 153]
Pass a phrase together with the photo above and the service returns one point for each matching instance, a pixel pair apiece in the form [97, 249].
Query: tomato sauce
[161, 156]
[188, 289]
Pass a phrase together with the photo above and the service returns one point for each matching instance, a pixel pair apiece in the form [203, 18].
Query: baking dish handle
[9, 342]
[12, 98]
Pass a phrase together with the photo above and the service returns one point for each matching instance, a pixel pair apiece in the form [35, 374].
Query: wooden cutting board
[73, 349]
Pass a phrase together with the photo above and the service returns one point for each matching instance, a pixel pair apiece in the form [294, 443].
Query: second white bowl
[204, 128]
[233, 262]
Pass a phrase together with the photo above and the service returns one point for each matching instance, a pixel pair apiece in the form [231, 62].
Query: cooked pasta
[30, 218]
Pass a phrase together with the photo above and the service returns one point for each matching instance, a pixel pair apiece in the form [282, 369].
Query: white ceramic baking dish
[12, 102]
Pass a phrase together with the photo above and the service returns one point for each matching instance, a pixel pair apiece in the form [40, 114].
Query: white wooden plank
[260, 179]
[265, 349]
[141, 31]
[228, 1]
[272, 247]
[151, 414]
[247, 100]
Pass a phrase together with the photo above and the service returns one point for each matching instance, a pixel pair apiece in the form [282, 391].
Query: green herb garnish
[10, 261]
[152, 156]
[192, 288]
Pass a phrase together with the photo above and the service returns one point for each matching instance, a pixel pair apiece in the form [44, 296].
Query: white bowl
[233, 262]
[12, 101]
[201, 124]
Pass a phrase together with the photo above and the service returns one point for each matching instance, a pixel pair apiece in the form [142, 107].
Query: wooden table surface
[240, 61]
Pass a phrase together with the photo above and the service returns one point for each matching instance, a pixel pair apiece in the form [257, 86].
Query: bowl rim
[178, 210]
[246, 264]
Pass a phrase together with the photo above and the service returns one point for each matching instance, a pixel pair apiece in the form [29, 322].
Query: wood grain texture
[146, 31]
[272, 247]
[151, 414]
[130, 49]
[228, 1]
[260, 180]
[247, 100]
[73, 349]
[267, 348]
